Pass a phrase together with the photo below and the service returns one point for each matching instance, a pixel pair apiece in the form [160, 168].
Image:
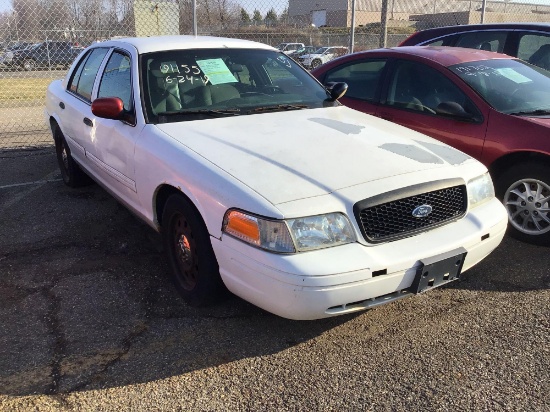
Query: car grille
[394, 219]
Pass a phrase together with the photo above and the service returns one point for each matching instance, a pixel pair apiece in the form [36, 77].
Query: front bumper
[353, 277]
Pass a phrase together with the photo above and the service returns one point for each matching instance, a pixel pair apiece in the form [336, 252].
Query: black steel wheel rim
[63, 157]
[184, 252]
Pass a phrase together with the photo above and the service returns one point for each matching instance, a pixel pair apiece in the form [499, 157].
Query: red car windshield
[508, 85]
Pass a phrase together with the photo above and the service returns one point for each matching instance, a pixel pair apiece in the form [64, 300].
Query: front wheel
[192, 260]
[525, 192]
[29, 64]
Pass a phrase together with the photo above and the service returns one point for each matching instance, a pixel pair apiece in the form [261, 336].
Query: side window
[363, 78]
[416, 87]
[116, 80]
[435, 43]
[535, 49]
[73, 81]
[86, 75]
[445, 41]
[487, 40]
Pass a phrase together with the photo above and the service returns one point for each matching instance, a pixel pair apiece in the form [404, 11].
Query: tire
[72, 174]
[29, 65]
[195, 270]
[315, 63]
[525, 192]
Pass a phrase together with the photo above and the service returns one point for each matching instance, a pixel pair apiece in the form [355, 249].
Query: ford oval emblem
[422, 211]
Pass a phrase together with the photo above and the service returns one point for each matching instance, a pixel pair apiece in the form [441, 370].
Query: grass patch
[23, 89]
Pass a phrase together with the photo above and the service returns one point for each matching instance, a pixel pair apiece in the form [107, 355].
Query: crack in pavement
[59, 347]
[127, 342]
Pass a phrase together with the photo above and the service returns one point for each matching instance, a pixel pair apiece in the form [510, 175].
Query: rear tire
[525, 192]
[187, 243]
[72, 174]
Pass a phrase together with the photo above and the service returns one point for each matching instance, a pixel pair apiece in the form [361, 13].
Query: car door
[413, 98]
[75, 109]
[111, 148]
[364, 78]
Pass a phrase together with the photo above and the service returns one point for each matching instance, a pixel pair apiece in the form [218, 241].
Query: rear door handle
[88, 122]
[62, 105]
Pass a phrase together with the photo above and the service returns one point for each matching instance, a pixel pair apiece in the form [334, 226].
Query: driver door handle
[88, 122]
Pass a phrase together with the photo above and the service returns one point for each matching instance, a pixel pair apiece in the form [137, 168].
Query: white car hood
[286, 156]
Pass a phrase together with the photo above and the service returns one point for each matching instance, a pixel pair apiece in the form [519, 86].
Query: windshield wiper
[537, 112]
[208, 112]
[279, 108]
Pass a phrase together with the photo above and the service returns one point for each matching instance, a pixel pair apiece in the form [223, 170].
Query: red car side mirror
[108, 108]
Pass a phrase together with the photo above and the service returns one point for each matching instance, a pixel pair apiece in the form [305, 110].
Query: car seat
[541, 57]
[216, 93]
[486, 46]
[164, 95]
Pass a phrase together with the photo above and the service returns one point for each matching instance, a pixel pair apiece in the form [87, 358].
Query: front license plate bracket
[438, 270]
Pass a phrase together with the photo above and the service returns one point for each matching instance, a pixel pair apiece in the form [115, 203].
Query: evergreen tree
[257, 17]
[245, 17]
[283, 18]
[271, 16]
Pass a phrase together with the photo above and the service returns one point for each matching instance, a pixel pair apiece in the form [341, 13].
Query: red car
[491, 106]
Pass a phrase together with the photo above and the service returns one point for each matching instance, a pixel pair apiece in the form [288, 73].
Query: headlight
[316, 232]
[292, 235]
[480, 190]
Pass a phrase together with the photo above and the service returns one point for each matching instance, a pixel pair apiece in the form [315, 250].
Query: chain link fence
[40, 38]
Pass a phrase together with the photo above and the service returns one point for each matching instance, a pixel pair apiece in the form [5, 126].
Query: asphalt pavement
[90, 321]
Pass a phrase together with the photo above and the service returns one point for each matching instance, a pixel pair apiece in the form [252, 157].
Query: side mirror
[108, 108]
[336, 90]
[455, 110]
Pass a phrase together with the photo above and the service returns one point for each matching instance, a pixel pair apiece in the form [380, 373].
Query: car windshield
[321, 50]
[508, 85]
[181, 85]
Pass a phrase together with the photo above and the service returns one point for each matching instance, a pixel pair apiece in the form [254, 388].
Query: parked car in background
[321, 56]
[490, 106]
[527, 41]
[6, 57]
[290, 47]
[204, 139]
[300, 52]
[48, 54]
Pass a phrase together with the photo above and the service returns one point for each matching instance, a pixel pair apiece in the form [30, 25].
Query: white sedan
[261, 182]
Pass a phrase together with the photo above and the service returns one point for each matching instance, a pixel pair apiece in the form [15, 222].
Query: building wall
[450, 11]
[156, 18]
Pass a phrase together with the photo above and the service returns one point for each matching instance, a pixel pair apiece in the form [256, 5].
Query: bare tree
[27, 13]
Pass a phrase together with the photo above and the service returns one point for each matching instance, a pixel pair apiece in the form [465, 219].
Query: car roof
[434, 33]
[161, 43]
[445, 56]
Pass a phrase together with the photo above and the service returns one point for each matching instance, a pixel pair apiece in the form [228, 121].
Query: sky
[264, 5]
